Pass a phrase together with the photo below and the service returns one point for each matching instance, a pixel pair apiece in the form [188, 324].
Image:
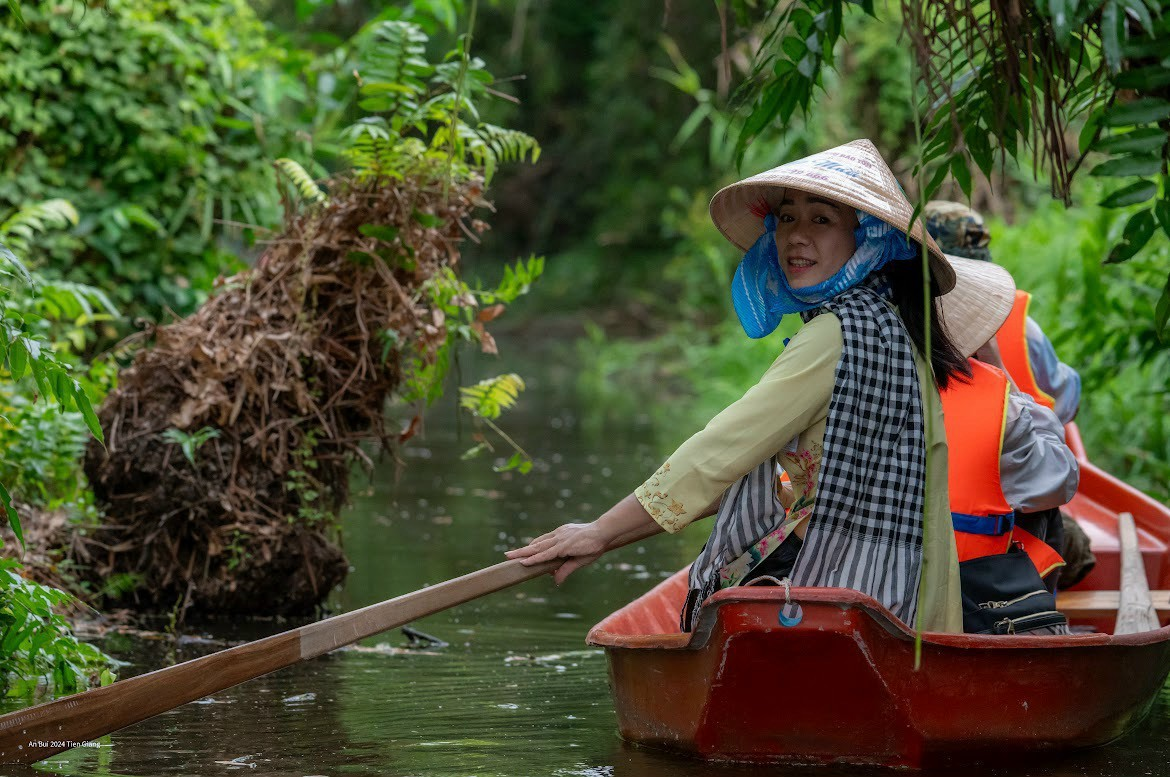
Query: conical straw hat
[976, 308]
[854, 174]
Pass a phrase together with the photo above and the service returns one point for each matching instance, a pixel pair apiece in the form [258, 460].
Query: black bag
[1003, 594]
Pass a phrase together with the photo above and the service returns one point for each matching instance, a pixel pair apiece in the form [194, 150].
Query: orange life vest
[1013, 349]
[975, 415]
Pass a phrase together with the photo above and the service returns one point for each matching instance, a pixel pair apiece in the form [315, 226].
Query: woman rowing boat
[844, 409]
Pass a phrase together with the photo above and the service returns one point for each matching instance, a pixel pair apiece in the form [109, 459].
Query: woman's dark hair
[905, 279]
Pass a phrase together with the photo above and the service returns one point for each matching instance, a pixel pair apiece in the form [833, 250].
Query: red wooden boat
[840, 687]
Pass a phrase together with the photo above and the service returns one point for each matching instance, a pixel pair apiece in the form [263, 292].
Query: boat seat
[1103, 604]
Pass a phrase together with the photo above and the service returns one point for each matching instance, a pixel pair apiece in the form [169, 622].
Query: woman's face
[814, 237]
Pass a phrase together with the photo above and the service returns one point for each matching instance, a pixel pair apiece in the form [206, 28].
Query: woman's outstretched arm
[580, 544]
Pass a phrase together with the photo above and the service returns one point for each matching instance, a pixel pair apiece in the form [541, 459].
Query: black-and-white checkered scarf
[866, 529]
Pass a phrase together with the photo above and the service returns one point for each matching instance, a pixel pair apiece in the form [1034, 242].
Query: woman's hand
[580, 544]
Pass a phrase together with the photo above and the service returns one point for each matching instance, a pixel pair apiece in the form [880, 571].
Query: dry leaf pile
[285, 365]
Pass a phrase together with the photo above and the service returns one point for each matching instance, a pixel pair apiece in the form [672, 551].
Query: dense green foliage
[37, 650]
[158, 121]
[28, 307]
[40, 447]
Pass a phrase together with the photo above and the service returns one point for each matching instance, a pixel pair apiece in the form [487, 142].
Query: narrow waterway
[515, 691]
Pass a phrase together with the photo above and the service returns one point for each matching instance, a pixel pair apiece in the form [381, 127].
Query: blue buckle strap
[984, 524]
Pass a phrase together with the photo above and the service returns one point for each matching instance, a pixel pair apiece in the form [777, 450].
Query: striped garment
[866, 528]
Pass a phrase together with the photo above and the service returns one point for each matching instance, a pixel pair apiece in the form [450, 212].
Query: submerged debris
[420, 639]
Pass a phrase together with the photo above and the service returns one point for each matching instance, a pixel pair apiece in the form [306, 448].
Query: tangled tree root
[230, 441]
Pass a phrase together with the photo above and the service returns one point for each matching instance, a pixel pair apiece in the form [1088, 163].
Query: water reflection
[515, 691]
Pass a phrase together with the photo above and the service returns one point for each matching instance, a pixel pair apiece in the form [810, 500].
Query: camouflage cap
[957, 229]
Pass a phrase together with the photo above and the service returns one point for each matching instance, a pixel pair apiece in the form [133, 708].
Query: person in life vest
[1025, 350]
[1021, 349]
[1008, 458]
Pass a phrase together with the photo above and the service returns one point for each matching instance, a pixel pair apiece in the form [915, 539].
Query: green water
[516, 691]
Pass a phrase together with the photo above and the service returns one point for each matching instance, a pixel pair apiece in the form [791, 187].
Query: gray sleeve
[1054, 377]
[1036, 468]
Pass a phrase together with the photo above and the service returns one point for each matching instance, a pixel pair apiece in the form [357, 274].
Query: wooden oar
[31, 734]
[1135, 611]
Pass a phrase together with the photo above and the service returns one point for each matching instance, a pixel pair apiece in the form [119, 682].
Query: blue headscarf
[761, 294]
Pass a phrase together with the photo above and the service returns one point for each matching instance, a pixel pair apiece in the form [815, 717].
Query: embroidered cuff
[667, 512]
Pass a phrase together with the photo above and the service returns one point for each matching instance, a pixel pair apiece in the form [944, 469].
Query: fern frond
[516, 282]
[301, 179]
[509, 145]
[487, 146]
[392, 68]
[35, 218]
[373, 155]
[492, 396]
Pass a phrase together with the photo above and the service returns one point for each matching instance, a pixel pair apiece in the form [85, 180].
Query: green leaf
[87, 413]
[10, 512]
[517, 461]
[794, 48]
[980, 148]
[18, 358]
[38, 372]
[1162, 213]
[1139, 49]
[914, 215]
[936, 181]
[11, 259]
[1143, 79]
[473, 451]
[961, 174]
[1112, 34]
[765, 109]
[1130, 195]
[802, 21]
[1089, 131]
[1162, 312]
[1142, 111]
[1139, 10]
[1145, 139]
[1062, 13]
[1128, 166]
[14, 6]
[1137, 233]
[428, 220]
[384, 233]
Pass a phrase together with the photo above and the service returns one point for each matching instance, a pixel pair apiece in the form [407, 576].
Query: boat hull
[841, 686]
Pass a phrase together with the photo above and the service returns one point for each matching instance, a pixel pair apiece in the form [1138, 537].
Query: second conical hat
[976, 308]
[853, 174]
